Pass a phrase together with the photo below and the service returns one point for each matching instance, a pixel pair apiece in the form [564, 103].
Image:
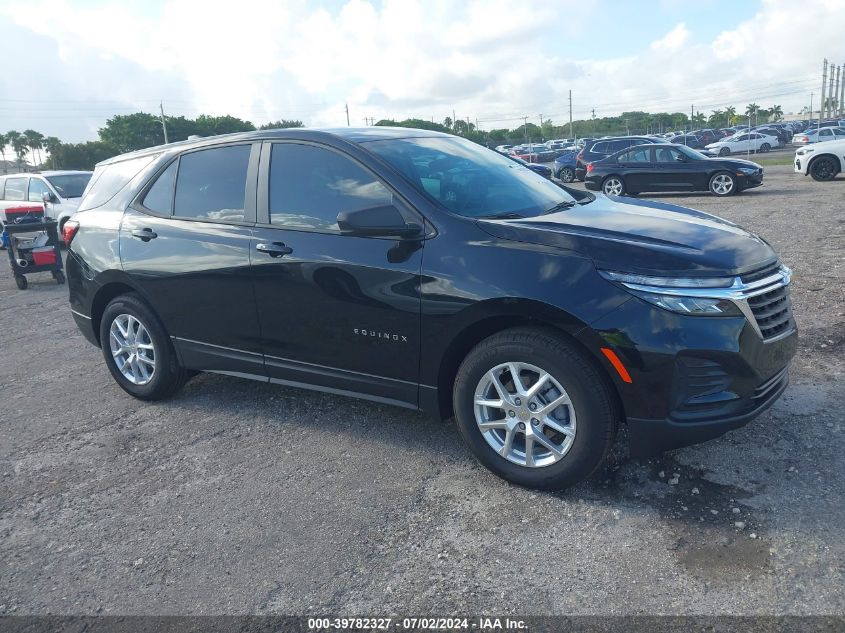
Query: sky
[68, 65]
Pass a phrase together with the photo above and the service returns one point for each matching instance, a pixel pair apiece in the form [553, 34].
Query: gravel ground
[238, 497]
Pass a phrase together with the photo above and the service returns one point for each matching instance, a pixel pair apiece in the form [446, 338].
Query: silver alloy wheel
[132, 349]
[613, 186]
[722, 184]
[524, 414]
[567, 174]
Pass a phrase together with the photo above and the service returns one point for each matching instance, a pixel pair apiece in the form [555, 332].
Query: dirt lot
[238, 497]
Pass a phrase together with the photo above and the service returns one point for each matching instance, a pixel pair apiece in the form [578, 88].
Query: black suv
[604, 147]
[422, 270]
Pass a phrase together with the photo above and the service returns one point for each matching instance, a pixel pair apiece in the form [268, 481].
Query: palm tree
[777, 112]
[716, 117]
[21, 147]
[447, 122]
[35, 142]
[4, 140]
[51, 144]
[730, 113]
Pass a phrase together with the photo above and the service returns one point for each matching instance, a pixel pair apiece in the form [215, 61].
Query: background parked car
[819, 135]
[564, 168]
[59, 191]
[745, 142]
[665, 167]
[543, 170]
[690, 140]
[822, 161]
[598, 149]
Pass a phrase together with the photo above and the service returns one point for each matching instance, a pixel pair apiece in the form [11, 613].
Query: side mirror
[377, 221]
[681, 158]
[49, 198]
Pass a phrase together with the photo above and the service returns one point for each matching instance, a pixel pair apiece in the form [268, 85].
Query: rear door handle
[274, 249]
[144, 234]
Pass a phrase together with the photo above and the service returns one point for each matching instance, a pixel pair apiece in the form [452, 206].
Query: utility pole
[811, 109]
[541, 129]
[525, 129]
[821, 105]
[347, 114]
[842, 91]
[690, 116]
[163, 124]
[836, 91]
[570, 116]
[831, 95]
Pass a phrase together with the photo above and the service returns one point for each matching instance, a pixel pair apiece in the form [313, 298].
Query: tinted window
[70, 185]
[109, 179]
[742, 137]
[37, 189]
[838, 132]
[310, 185]
[600, 148]
[16, 188]
[211, 184]
[615, 146]
[159, 198]
[667, 154]
[468, 179]
[638, 155]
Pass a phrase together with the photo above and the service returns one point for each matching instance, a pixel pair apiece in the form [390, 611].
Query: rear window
[15, 189]
[109, 179]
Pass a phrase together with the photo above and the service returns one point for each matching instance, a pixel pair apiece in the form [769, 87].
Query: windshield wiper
[508, 215]
[560, 207]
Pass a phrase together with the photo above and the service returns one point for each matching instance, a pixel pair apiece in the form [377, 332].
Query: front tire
[723, 184]
[138, 351]
[567, 174]
[765, 147]
[725, 151]
[824, 168]
[552, 426]
[613, 186]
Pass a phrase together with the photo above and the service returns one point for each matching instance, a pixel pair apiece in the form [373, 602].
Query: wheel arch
[826, 155]
[524, 313]
[111, 287]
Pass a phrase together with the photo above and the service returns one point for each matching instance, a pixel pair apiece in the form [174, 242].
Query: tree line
[129, 132]
[122, 133]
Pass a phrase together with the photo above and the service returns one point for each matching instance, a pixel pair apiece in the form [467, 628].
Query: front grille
[768, 299]
[773, 312]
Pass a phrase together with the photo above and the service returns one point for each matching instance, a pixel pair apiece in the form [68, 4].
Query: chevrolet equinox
[422, 270]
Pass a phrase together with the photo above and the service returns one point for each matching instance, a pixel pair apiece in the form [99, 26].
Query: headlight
[677, 294]
[805, 150]
[748, 170]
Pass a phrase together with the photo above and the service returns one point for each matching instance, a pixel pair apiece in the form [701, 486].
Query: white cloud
[673, 40]
[497, 60]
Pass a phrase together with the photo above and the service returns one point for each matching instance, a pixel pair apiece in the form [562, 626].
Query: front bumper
[693, 378]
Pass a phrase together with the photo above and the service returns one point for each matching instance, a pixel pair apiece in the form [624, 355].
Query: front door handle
[274, 249]
[144, 234]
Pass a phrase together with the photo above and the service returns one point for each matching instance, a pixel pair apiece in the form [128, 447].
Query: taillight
[589, 167]
[69, 230]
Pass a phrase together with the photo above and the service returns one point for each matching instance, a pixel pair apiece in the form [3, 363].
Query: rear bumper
[85, 326]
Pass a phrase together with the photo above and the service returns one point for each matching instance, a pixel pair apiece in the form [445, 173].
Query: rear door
[637, 168]
[337, 311]
[185, 243]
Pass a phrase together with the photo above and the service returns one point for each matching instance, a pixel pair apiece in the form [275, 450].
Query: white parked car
[742, 142]
[819, 135]
[821, 161]
[59, 192]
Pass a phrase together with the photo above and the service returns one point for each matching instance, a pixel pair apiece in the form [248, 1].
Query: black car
[690, 140]
[543, 170]
[600, 148]
[422, 270]
[668, 167]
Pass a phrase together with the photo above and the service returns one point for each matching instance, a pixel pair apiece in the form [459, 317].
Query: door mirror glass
[48, 197]
[376, 221]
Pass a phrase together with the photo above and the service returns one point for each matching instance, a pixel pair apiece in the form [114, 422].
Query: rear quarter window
[108, 180]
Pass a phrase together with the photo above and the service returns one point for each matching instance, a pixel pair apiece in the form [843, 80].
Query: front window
[37, 189]
[470, 180]
[70, 185]
[690, 153]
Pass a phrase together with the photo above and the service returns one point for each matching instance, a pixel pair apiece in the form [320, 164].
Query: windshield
[70, 186]
[691, 153]
[470, 180]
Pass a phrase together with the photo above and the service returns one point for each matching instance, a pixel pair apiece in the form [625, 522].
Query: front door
[677, 172]
[185, 244]
[336, 311]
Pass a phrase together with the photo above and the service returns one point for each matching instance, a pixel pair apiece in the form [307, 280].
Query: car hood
[644, 237]
[734, 163]
[71, 203]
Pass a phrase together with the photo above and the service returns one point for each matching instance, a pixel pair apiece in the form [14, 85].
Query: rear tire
[824, 168]
[581, 429]
[155, 381]
[20, 282]
[613, 186]
[59, 276]
[765, 147]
